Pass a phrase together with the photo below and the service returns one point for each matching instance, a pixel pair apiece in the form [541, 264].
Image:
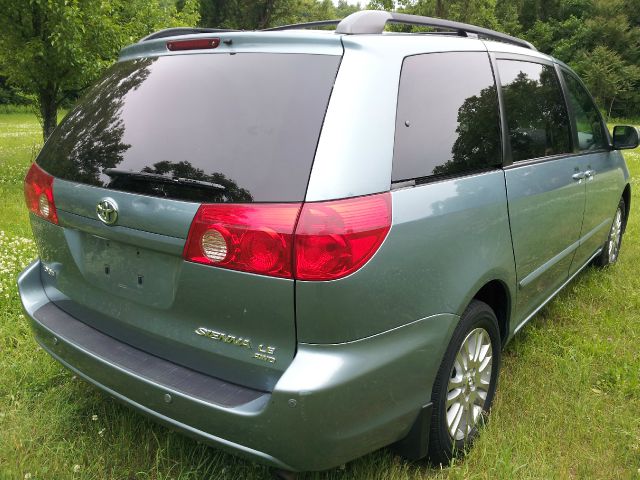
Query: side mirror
[625, 137]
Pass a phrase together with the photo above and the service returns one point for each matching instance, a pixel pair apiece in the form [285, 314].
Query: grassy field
[568, 404]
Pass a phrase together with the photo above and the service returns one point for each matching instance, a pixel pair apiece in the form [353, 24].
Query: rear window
[206, 127]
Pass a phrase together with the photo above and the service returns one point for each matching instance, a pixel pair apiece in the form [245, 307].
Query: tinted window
[536, 114]
[205, 127]
[447, 120]
[591, 134]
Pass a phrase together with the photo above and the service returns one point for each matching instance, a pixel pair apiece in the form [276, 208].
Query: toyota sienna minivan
[302, 245]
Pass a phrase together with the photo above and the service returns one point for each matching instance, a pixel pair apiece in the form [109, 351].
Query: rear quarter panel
[448, 239]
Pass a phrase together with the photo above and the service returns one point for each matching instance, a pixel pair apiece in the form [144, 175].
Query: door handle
[578, 176]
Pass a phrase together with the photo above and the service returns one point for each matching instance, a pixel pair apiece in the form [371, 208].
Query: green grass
[6, 109]
[568, 404]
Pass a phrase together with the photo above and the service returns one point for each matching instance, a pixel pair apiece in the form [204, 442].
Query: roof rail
[374, 21]
[172, 32]
[366, 22]
[294, 26]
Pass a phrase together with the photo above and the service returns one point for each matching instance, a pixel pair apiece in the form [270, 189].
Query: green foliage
[268, 13]
[52, 49]
[298, 11]
[477, 12]
[608, 75]
[507, 17]
[9, 95]
[600, 39]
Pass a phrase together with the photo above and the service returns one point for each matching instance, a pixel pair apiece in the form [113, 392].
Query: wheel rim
[469, 384]
[615, 236]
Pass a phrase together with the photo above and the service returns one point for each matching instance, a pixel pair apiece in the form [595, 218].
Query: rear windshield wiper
[114, 172]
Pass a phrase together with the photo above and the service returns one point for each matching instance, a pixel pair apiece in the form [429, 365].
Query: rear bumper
[334, 402]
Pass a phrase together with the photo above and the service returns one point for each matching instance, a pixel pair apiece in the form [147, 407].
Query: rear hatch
[155, 138]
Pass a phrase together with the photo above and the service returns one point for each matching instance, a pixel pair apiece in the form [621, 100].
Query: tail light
[255, 238]
[331, 240]
[334, 239]
[38, 192]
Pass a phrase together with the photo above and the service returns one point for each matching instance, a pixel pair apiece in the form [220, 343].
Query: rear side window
[591, 134]
[536, 114]
[202, 127]
[447, 118]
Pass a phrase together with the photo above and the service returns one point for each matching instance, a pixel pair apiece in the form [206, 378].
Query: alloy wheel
[615, 236]
[469, 384]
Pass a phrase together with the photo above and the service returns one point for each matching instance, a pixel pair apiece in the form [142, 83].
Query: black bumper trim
[157, 370]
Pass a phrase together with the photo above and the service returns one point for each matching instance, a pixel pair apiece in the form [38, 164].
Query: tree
[236, 14]
[607, 75]
[600, 39]
[300, 11]
[53, 48]
[477, 12]
[344, 9]
[269, 13]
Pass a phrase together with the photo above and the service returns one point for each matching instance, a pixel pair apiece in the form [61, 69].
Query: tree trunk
[439, 9]
[48, 105]
[265, 14]
[610, 108]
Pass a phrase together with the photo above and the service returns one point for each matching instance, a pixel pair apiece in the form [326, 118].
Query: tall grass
[7, 109]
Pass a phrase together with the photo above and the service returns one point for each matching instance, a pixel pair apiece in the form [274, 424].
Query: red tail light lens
[331, 240]
[334, 239]
[255, 238]
[193, 44]
[38, 192]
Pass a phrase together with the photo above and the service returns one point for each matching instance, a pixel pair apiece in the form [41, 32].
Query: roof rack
[173, 32]
[295, 26]
[374, 21]
[367, 22]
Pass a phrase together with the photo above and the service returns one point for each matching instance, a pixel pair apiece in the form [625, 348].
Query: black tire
[279, 474]
[611, 252]
[442, 445]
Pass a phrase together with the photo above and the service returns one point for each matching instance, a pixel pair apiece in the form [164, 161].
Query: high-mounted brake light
[334, 239]
[38, 193]
[256, 238]
[193, 44]
[331, 240]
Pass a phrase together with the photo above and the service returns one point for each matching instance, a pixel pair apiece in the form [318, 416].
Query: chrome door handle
[578, 176]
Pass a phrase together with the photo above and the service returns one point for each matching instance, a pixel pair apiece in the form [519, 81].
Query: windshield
[203, 127]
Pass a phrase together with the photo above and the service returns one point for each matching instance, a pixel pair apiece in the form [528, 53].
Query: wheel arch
[496, 294]
[626, 196]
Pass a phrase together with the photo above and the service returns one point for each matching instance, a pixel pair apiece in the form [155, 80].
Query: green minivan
[302, 245]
